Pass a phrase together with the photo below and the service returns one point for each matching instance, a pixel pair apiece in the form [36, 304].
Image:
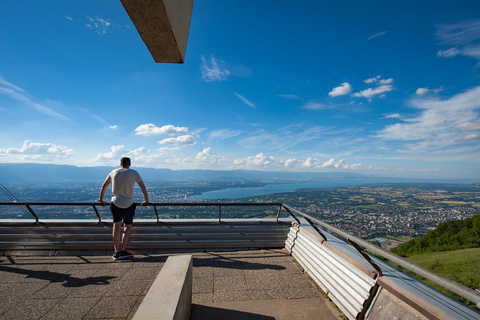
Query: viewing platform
[287, 265]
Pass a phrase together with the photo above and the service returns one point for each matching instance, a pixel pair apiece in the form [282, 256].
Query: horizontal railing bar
[163, 204]
[446, 283]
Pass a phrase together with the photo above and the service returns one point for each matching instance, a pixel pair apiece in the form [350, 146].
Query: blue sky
[379, 87]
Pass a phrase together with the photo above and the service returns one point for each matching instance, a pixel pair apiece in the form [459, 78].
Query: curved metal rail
[446, 283]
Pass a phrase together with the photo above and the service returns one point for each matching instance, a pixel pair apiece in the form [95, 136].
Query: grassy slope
[462, 266]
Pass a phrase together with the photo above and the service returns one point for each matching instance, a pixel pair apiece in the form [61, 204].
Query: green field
[462, 266]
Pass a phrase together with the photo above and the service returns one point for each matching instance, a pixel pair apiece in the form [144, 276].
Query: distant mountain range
[37, 173]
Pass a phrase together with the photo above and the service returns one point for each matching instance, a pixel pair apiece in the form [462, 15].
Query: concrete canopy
[163, 26]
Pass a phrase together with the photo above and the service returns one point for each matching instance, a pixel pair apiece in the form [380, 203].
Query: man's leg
[117, 228]
[126, 235]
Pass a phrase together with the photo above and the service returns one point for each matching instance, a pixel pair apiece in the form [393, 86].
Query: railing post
[278, 213]
[32, 213]
[219, 213]
[156, 213]
[98, 214]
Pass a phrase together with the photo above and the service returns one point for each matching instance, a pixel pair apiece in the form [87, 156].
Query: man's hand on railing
[103, 203]
[144, 203]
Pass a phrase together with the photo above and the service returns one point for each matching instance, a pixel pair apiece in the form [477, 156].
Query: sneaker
[125, 254]
[116, 256]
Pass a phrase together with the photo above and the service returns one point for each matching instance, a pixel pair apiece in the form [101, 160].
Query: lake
[235, 193]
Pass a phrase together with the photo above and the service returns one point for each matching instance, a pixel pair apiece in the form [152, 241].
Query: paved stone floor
[97, 287]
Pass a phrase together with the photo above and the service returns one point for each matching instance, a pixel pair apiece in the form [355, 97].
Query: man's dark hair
[125, 161]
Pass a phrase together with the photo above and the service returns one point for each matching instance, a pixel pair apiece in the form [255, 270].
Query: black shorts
[120, 214]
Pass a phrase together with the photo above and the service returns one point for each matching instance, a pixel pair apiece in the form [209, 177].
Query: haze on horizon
[389, 89]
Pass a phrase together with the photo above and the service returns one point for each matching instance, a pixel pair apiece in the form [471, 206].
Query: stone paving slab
[97, 287]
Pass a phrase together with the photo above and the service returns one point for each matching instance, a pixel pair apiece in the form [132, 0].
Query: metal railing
[446, 283]
[95, 206]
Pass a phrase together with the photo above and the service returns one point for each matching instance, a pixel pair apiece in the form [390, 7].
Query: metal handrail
[154, 204]
[446, 283]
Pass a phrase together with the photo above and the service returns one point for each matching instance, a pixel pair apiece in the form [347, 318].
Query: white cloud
[99, 25]
[422, 91]
[270, 163]
[69, 18]
[259, 161]
[21, 95]
[369, 93]
[113, 127]
[151, 130]
[440, 123]
[41, 152]
[117, 152]
[206, 158]
[469, 126]
[386, 81]
[372, 80]
[449, 53]
[376, 35]
[180, 140]
[214, 72]
[343, 89]
[247, 102]
[395, 115]
[470, 137]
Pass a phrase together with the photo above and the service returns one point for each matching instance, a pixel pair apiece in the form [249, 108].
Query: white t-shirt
[123, 181]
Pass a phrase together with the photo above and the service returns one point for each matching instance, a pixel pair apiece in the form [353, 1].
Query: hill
[462, 266]
[33, 172]
[451, 235]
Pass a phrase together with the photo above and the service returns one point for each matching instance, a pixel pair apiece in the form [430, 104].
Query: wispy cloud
[289, 96]
[68, 18]
[376, 35]
[21, 95]
[440, 125]
[99, 25]
[344, 89]
[395, 116]
[464, 36]
[449, 53]
[223, 134]
[247, 102]
[314, 106]
[214, 70]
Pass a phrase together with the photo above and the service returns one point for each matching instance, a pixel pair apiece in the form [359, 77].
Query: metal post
[32, 213]
[156, 213]
[98, 214]
[278, 213]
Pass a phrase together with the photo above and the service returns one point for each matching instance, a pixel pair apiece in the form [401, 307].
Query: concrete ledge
[170, 296]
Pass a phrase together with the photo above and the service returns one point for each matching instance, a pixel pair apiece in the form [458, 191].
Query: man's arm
[102, 191]
[144, 191]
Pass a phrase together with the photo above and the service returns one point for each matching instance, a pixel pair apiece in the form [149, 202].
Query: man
[122, 204]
